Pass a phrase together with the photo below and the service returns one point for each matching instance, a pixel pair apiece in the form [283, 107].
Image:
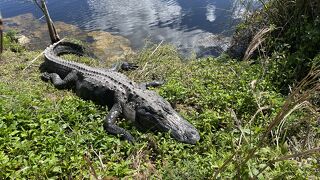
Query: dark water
[188, 24]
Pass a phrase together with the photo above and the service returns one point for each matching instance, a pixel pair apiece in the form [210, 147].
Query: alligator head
[157, 114]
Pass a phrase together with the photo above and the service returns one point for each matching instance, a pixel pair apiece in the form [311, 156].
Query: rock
[104, 45]
[22, 40]
[109, 47]
[37, 31]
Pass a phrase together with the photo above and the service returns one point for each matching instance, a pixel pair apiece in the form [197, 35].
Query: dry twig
[31, 62]
[257, 40]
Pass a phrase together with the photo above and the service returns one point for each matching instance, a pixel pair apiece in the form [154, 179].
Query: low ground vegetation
[250, 127]
[48, 133]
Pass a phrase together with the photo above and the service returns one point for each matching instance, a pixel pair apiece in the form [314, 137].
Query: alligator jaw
[182, 130]
[168, 120]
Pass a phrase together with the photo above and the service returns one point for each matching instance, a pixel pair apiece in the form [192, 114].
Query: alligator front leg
[59, 83]
[110, 126]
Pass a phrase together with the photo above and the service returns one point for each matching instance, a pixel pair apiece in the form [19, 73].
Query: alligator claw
[128, 66]
[45, 76]
[154, 84]
[129, 138]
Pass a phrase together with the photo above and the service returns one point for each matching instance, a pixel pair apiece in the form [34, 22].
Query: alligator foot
[151, 84]
[59, 83]
[128, 66]
[45, 77]
[116, 130]
[110, 126]
[125, 66]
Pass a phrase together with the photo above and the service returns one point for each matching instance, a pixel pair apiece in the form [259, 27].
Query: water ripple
[180, 22]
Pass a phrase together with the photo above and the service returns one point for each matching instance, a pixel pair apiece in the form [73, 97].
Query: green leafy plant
[10, 41]
[248, 128]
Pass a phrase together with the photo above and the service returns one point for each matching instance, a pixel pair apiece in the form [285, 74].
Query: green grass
[50, 133]
[290, 41]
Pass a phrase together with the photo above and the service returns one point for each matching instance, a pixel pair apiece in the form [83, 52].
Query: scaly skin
[124, 98]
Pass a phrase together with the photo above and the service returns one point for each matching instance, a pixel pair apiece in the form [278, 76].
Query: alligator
[124, 98]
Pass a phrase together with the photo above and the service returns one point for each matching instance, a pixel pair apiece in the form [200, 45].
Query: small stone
[23, 40]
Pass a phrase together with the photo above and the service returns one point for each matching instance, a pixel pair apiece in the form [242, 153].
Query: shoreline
[104, 45]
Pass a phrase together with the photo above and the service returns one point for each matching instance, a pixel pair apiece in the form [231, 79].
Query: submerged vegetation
[252, 125]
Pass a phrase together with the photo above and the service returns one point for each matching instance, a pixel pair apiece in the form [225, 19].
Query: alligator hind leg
[151, 84]
[125, 66]
[59, 83]
[110, 126]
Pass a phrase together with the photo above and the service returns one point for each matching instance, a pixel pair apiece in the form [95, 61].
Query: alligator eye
[148, 109]
[166, 109]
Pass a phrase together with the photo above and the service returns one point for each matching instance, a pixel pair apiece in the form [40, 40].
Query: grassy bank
[48, 133]
[256, 120]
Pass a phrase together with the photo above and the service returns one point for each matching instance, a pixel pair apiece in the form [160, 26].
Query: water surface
[188, 24]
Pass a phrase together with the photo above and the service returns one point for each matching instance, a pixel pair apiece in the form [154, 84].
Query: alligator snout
[193, 137]
[182, 130]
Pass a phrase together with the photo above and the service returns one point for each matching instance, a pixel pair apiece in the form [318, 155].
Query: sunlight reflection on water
[186, 24]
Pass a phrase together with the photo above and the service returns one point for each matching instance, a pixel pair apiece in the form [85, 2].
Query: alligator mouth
[182, 130]
[190, 137]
